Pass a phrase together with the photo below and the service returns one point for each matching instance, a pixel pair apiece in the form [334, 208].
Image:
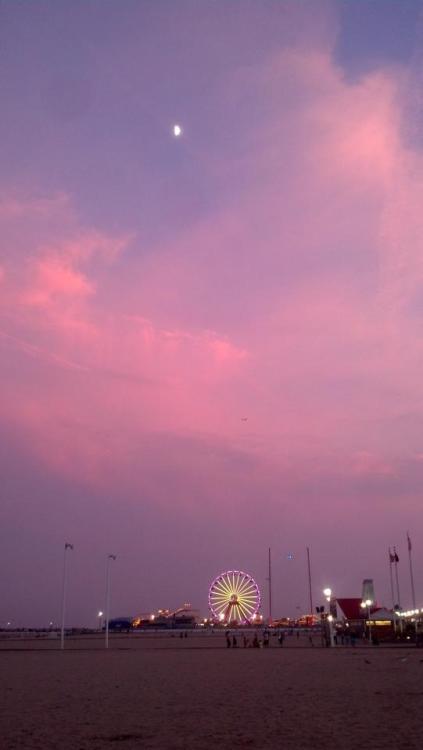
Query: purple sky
[155, 291]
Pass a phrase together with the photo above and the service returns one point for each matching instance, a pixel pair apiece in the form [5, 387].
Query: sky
[213, 344]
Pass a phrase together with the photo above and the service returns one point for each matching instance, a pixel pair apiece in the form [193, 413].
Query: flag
[409, 542]
[396, 558]
[68, 546]
[391, 557]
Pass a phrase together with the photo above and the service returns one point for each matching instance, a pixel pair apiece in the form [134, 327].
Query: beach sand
[194, 693]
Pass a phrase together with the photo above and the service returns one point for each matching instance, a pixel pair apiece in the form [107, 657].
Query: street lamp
[100, 615]
[327, 592]
[107, 608]
[367, 604]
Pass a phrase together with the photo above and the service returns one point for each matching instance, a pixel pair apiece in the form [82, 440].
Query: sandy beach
[194, 693]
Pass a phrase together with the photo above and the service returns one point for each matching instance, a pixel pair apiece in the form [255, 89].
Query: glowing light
[327, 592]
[234, 597]
[177, 130]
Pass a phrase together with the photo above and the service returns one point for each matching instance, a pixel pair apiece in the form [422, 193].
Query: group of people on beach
[262, 640]
[256, 642]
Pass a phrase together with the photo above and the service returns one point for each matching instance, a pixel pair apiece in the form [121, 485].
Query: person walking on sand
[245, 641]
[234, 642]
[228, 639]
[256, 641]
[281, 638]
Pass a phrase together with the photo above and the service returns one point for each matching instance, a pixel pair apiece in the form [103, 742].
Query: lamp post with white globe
[367, 604]
[328, 594]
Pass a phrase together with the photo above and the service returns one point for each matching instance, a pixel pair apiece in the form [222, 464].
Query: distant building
[182, 617]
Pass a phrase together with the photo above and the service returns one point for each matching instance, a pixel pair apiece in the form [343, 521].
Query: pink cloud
[289, 305]
[54, 279]
[14, 205]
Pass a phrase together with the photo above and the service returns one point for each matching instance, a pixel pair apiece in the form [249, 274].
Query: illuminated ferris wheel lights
[234, 597]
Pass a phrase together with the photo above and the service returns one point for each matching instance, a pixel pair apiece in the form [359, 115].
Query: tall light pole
[107, 607]
[368, 603]
[64, 582]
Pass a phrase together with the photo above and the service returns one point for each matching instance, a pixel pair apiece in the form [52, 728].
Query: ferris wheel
[234, 597]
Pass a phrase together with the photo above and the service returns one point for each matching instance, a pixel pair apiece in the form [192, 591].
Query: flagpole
[391, 578]
[413, 593]
[270, 586]
[309, 581]
[391, 560]
[64, 582]
[396, 577]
